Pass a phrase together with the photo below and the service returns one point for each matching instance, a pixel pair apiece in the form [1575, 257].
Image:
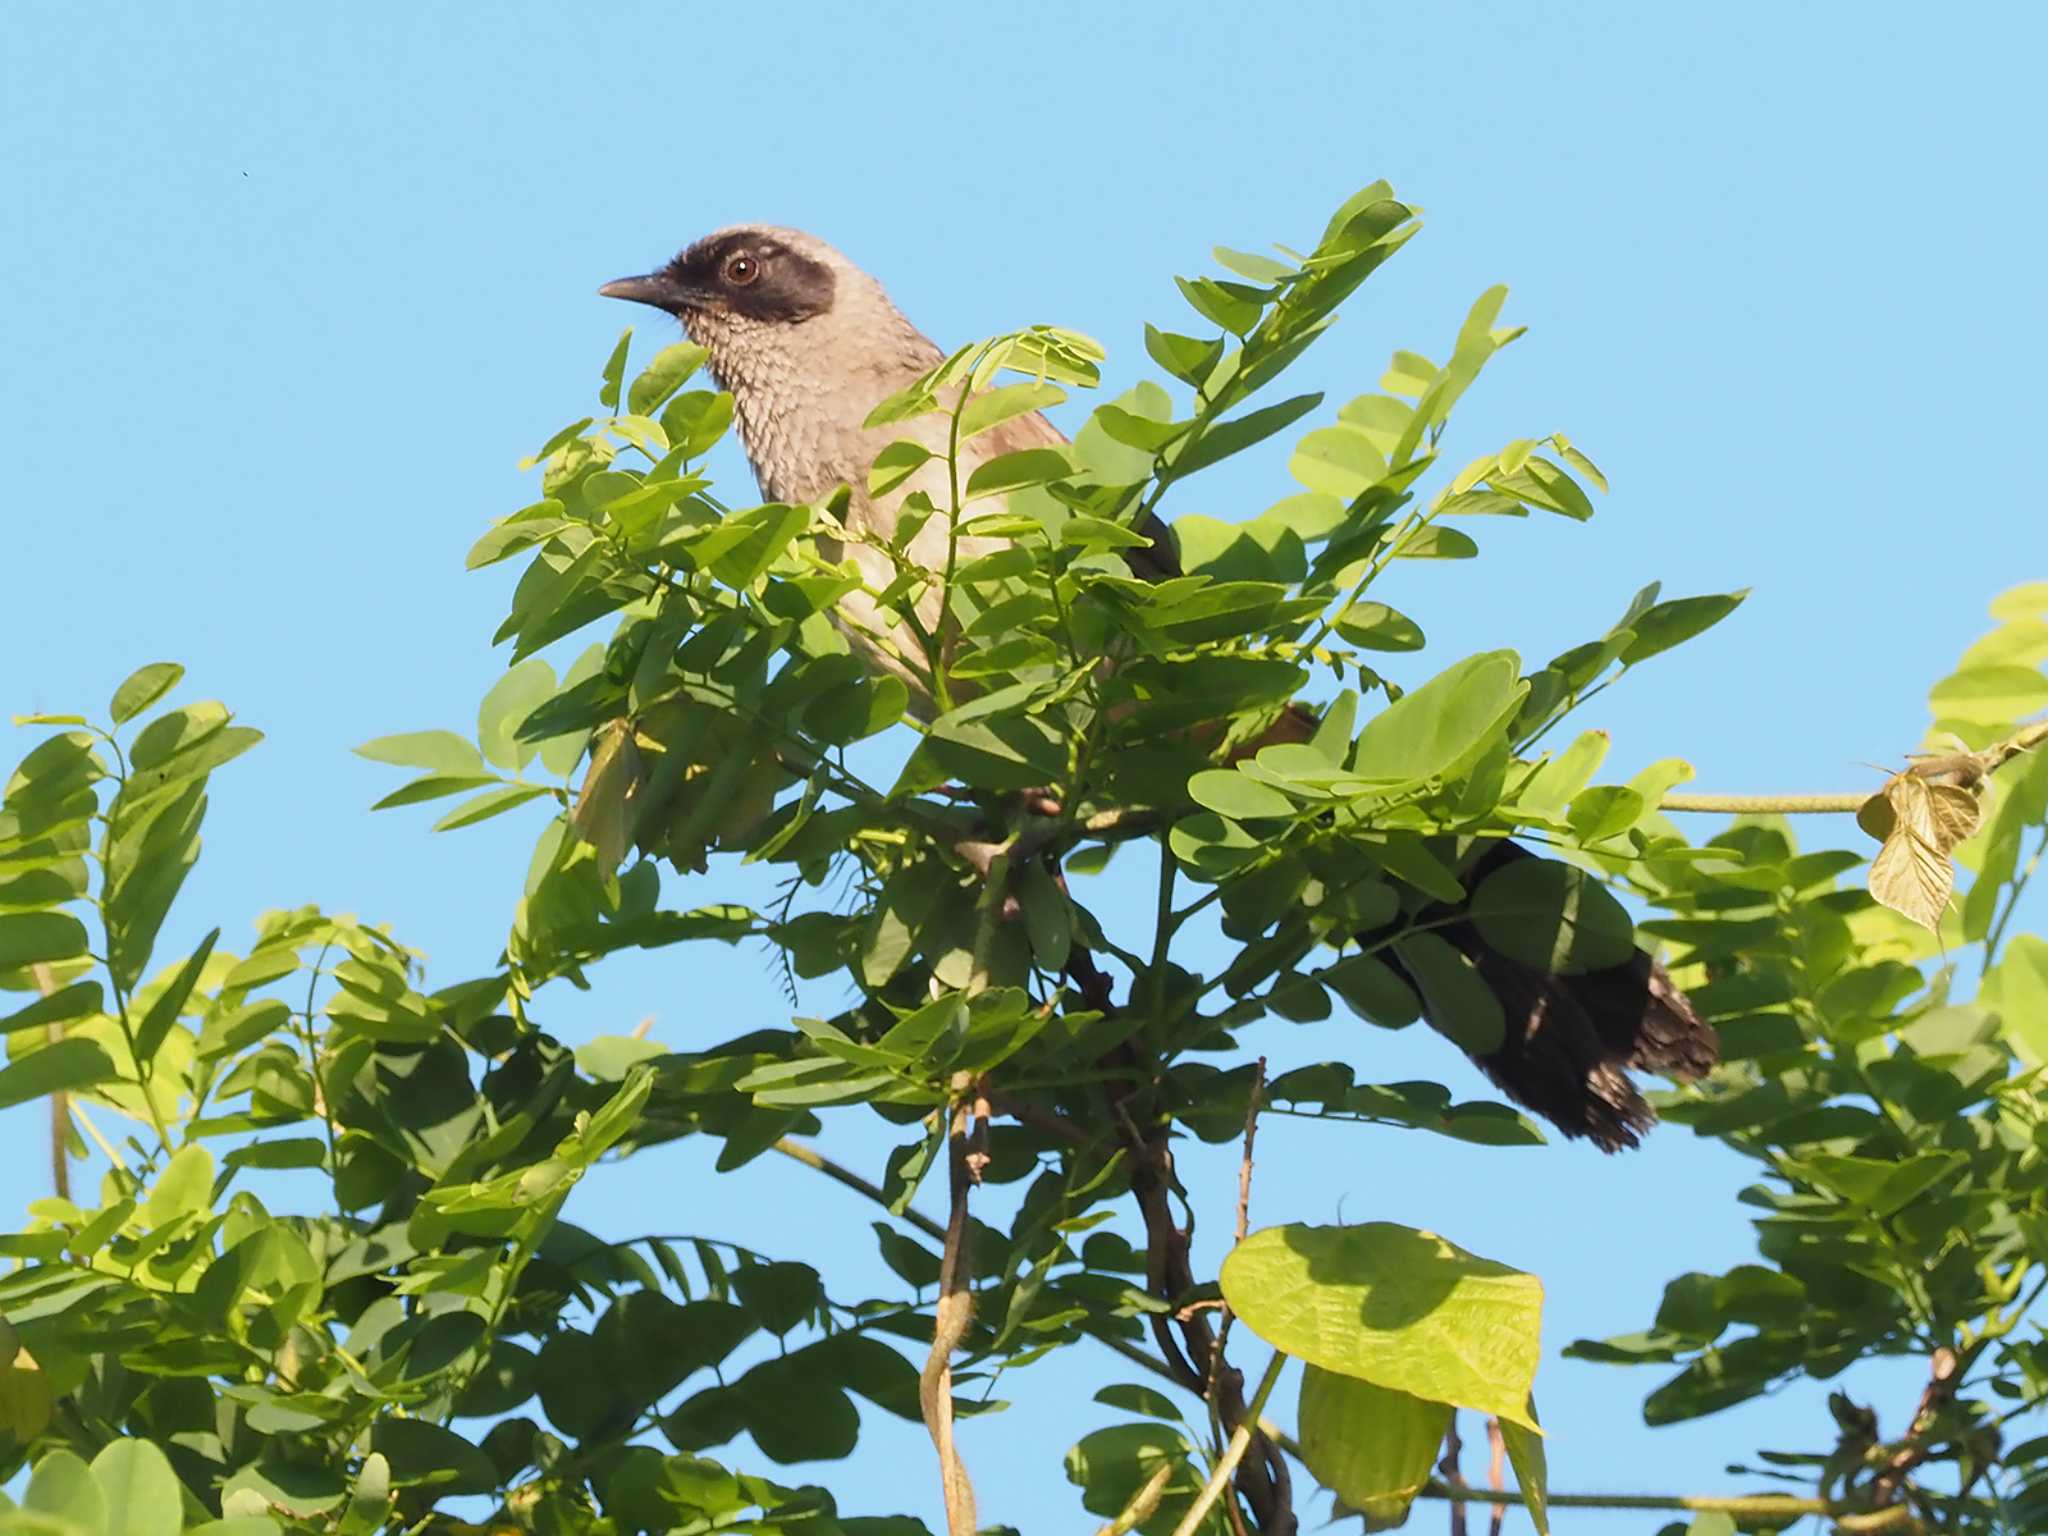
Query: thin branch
[810, 1157]
[1240, 1442]
[953, 1314]
[1762, 1506]
[1447, 1469]
[1944, 1373]
[1765, 805]
[1964, 768]
[1496, 1472]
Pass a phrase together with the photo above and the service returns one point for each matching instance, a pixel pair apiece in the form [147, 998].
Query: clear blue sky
[288, 290]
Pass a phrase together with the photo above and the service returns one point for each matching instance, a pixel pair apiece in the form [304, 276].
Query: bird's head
[749, 275]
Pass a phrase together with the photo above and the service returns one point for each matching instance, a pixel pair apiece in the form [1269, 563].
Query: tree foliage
[433, 1336]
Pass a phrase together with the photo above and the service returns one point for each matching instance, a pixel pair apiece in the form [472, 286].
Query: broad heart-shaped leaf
[1444, 724]
[1370, 1445]
[1554, 916]
[1397, 1307]
[141, 1492]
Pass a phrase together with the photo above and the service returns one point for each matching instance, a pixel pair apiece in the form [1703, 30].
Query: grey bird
[807, 344]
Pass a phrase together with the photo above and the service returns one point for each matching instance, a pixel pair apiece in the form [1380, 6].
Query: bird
[807, 343]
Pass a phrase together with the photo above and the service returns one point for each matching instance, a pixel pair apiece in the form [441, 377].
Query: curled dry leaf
[1919, 822]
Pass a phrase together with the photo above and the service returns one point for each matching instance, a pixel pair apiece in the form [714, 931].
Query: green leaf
[1225, 438]
[1373, 990]
[1370, 1445]
[142, 1494]
[1553, 916]
[1994, 696]
[142, 688]
[64, 1486]
[696, 419]
[2016, 989]
[1338, 461]
[419, 1451]
[1664, 625]
[504, 709]
[58, 1068]
[992, 407]
[76, 1001]
[185, 1186]
[492, 802]
[1230, 793]
[1377, 627]
[780, 1295]
[1455, 999]
[667, 373]
[1403, 1309]
[615, 371]
[163, 1013]
[1444, 724]
[31, 938]
[1188, 359]
[895, 464]
[1433, 541]
[1532, 1469]
[1013, 471]
[1132, 1398]
[740, 549]
[441, 752]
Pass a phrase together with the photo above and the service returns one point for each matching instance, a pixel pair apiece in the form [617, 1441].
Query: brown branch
[1447, 1469]
[1943, 1375]
[954, 1312]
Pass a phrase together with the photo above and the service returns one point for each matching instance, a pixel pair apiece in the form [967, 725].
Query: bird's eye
[741, 270]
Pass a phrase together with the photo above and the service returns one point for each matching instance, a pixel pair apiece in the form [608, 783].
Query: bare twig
[1448, 1470]
[1251, 1132]
[954, 1311]
[1496, 1473]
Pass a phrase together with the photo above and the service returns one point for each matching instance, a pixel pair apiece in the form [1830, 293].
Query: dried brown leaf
[1919, 823]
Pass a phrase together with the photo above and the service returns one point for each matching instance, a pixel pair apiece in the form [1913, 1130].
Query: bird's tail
[1571, 1041]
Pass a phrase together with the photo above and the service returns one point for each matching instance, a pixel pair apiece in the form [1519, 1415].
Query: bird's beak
[661, 289]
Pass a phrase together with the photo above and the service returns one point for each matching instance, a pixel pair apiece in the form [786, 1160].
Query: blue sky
[288, 291]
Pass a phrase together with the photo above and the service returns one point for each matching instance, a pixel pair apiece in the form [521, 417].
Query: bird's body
[803, 380]
[808, 344]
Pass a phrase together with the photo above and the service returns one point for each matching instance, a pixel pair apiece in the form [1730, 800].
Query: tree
[434, 1339]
